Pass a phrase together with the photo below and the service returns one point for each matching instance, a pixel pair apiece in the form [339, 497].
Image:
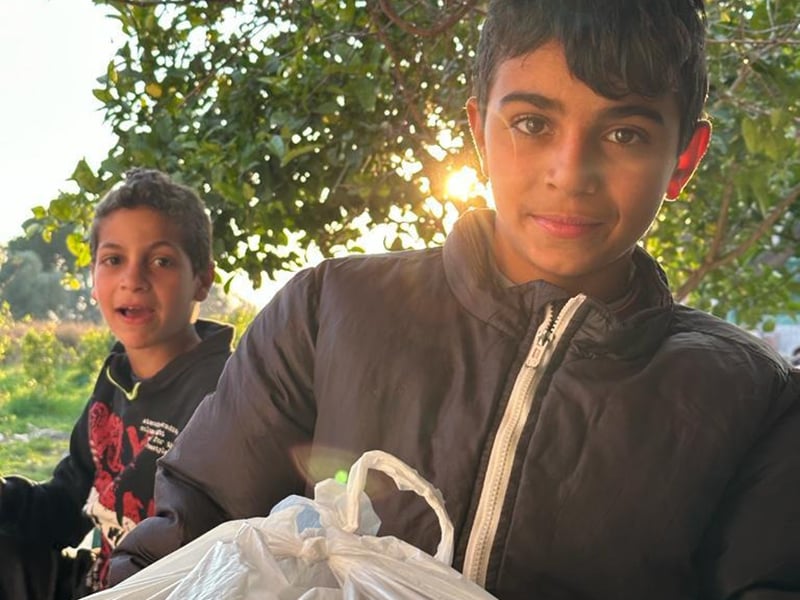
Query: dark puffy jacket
[578, 456]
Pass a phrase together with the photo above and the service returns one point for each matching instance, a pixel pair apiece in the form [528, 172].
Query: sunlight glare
[462, 184]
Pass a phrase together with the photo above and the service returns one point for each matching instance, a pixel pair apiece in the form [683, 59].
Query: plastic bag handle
[406, 478]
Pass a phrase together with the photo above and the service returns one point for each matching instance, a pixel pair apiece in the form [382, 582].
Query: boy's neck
[607, 285]
[148, 361]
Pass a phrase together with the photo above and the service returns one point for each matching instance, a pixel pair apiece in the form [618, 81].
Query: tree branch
[394, 17]
[713, 262]
[722, 220]
[399, 80]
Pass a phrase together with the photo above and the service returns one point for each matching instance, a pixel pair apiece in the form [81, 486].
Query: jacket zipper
[504, 448]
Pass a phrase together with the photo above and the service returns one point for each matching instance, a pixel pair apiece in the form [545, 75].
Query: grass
[35, 422]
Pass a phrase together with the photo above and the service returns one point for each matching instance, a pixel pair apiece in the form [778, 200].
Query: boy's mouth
[567, 226]
[133, 311]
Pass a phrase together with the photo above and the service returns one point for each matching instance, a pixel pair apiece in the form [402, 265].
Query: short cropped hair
[178, 203]
[616, 47]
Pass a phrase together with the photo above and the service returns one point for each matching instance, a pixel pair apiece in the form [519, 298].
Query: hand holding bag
[321, 549]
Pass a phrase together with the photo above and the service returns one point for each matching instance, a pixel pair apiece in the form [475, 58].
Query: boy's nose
[574, 167]
[135, 278]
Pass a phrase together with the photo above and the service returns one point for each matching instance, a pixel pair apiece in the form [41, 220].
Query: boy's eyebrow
[104, 245]
[537, 100]
[614, 112]
[635, 110]
[151, 247]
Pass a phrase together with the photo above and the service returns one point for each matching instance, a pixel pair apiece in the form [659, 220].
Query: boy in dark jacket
[591, 438]
[151, 266]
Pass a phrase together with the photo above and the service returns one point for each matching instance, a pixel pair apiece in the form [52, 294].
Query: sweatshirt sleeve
[236, 457]
[754, 543]
[51, 513]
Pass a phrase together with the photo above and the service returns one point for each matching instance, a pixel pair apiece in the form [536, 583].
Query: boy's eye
[624, 136]
[162, 261]
[530, 125]
[110, 260]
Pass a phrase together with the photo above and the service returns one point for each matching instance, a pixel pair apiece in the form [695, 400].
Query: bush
[69, 333]
[6, 329]
[41, 354]
[93, 347]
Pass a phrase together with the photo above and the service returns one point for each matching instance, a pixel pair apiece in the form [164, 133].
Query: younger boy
[590, 437]
[151, 265]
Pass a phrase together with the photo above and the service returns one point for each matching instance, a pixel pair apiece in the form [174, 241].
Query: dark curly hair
[179, 203]
[616, 47]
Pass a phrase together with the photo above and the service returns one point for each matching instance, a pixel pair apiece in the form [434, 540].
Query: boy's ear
[476, 127]
[91, 270]
[204, 280]
[689, 159]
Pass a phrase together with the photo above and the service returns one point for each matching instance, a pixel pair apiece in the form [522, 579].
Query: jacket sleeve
[51, 513]
[237, 456]
[753, 547]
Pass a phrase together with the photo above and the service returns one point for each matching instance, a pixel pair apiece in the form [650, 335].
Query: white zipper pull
[537, 351]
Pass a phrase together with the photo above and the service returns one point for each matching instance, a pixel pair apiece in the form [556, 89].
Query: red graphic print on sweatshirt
[114, 450]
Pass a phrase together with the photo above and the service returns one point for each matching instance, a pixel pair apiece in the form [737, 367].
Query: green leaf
[750, 134]
[111, 73]
[364, 90]
[779, 117]
[276, 146]
[84, 177]
[296, 152]
[103, 95]
[75, 243]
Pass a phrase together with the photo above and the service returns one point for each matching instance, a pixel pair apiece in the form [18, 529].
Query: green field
[47, 372]
[36, 420]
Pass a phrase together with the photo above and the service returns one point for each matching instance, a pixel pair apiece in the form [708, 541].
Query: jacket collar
[475, 280]
[477, 283]
[601, 333]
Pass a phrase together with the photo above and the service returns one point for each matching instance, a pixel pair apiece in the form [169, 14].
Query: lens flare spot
[462, 184]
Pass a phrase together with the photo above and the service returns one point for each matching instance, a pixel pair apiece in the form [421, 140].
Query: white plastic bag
[321, 549]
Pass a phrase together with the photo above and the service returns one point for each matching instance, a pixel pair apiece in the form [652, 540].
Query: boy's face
[577, 178]
[144, 285]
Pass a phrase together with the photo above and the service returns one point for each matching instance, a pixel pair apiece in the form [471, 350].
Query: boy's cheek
[509, 169]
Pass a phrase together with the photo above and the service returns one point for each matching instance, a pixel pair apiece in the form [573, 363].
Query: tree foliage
[29, 290]
[301, 122]
[36, 279]
[729, 246]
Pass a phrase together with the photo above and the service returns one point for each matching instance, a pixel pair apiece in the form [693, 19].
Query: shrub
[41, 354]
[6, 329]
[69, 333]
[93, 347]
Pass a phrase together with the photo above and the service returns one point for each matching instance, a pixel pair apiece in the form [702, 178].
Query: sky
[51, 53]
